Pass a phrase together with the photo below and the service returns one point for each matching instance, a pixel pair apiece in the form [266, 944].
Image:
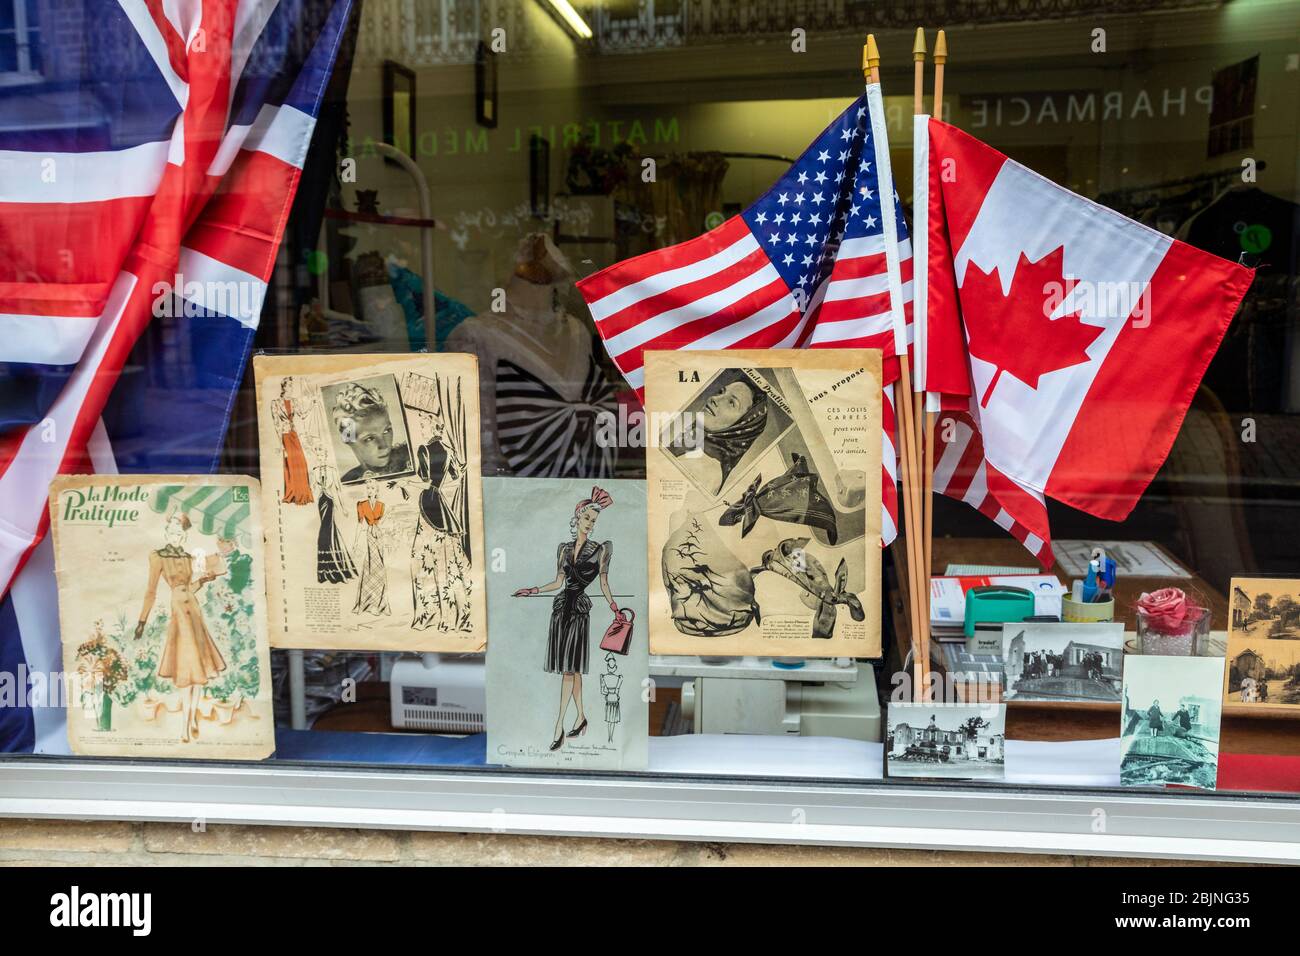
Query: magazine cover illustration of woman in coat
[578, 562]
[190, 658]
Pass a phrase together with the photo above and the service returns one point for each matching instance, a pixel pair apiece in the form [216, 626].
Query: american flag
[821, 260]
[150, 142]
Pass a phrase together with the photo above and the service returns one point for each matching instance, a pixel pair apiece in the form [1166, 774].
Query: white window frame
[651, 806]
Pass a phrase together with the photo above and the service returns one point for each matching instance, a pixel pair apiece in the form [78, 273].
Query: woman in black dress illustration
[439, 566]
[579, 561]
[333, 563]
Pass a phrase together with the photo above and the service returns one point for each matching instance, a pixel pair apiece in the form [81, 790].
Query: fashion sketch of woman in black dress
[333, 563]
[439, 567]
[579, 561]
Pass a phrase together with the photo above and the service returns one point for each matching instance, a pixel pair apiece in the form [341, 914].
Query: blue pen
[1106, 582]
[1090, 583]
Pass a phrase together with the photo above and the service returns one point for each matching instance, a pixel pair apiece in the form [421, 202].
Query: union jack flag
[149, 155]
[821, 260]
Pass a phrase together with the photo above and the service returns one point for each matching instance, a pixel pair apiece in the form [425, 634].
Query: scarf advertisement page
[764, 502]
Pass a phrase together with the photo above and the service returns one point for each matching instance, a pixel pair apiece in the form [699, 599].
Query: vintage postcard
[1062, 661]
[764, 483]
[568, 664]
[163, 616]
[1261, 673]
[1265, 609]
[1170, 726]
[954, 741]
[374, 520]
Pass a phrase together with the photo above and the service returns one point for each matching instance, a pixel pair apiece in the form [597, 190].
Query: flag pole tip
[918, 47]
[870, 53]
[941, 47]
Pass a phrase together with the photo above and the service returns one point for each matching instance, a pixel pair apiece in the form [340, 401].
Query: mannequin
[541, 387]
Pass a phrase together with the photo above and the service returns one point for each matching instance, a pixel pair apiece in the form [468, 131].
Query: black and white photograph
[1063, 661]
[733, 420]
[1265, 609]
[367, 428]
[1263, 673]
[1169, 732]
[957, 741]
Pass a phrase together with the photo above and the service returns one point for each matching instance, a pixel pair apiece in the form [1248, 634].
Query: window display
[718, 415]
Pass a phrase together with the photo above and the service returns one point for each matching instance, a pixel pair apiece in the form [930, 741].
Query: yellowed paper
[764, 502]
[373, 509]
[163, 615]
[1263, 667]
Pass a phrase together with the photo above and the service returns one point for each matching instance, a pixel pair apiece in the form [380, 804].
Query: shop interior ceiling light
[570, 17]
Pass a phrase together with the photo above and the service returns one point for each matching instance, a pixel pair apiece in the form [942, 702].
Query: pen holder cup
[1087, 612]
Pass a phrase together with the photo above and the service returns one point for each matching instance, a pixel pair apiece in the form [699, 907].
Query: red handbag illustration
[619, 634]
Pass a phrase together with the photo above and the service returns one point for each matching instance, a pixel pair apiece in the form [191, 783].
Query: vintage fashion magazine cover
[568, 664]
[764, 472]
[163, 615]
[373, 512]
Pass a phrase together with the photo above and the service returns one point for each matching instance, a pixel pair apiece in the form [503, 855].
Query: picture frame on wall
[399, 107]
[486, 99]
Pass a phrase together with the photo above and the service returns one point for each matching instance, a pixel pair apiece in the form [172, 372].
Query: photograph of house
[1262, 672]
[1265, 609]
[1063, 661]
[946, 740]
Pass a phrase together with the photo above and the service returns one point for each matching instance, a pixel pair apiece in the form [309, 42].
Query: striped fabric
[544, 435]
[821, 260]
[962, 472]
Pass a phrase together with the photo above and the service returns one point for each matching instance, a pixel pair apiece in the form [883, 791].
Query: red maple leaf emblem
[1013, 332]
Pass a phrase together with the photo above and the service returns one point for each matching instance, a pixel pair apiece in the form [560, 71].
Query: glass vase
[1187, 640]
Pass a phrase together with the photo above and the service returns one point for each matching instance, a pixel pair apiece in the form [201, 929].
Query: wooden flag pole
[924, 421]
[918, 77]
[928, 474]
[918, 579]
[940, 58]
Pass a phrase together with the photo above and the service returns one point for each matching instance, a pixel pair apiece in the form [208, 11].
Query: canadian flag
[1061, 341]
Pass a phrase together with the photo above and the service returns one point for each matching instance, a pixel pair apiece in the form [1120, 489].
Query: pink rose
[1168, 610]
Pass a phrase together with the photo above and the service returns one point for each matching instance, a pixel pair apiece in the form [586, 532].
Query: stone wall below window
[94, 843]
